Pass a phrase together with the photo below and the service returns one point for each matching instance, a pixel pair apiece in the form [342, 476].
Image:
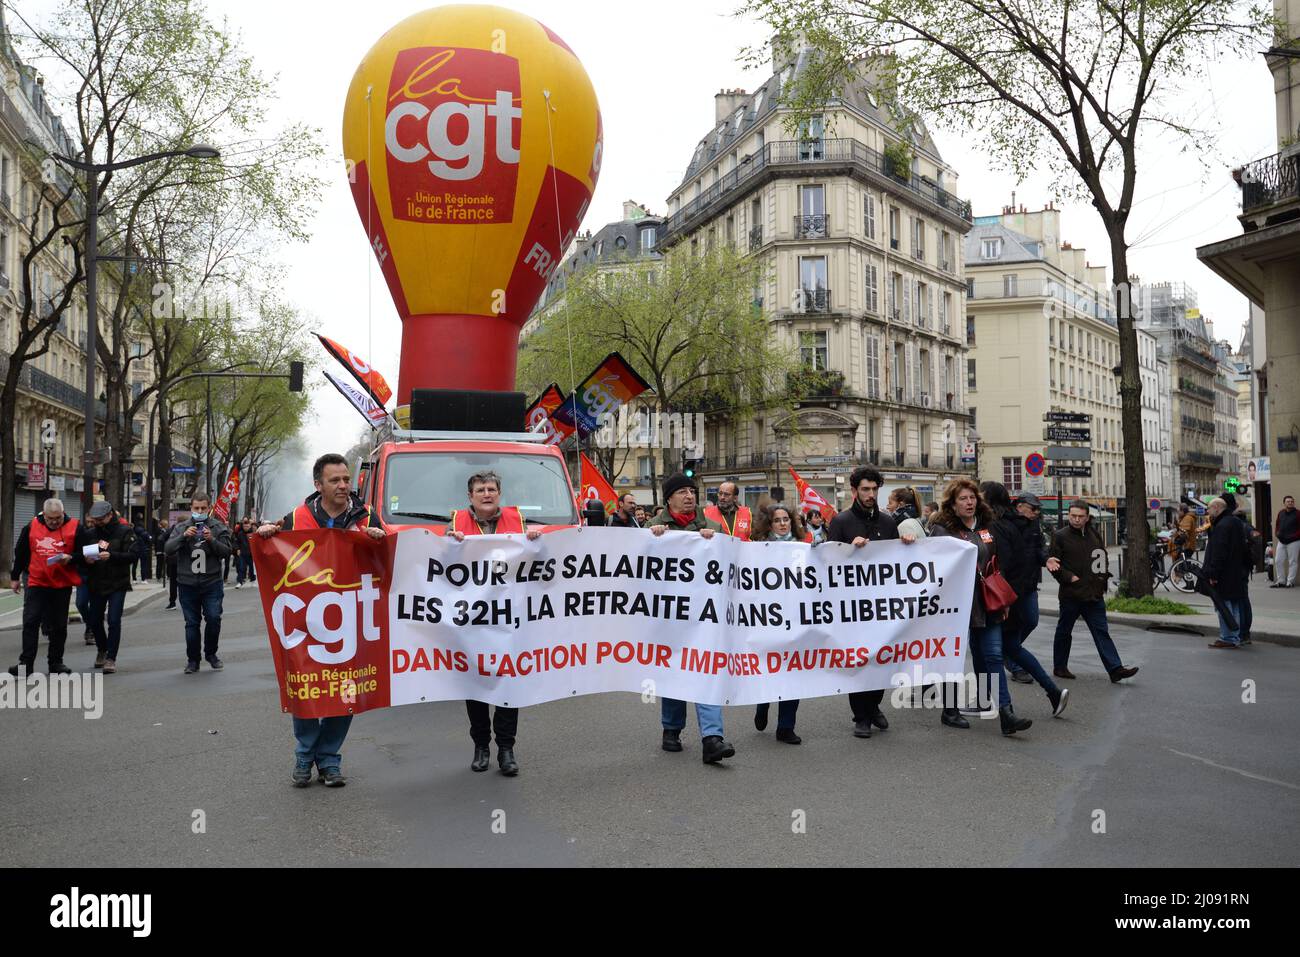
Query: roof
[1016, 247]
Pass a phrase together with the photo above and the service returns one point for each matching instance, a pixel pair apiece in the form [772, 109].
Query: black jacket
[1011, 557]
[875, 526]
[1033, 553]
[988, 543]
[111, 574]
[356, 516]
[616, 520]
[1226, 557]
[1078, 552]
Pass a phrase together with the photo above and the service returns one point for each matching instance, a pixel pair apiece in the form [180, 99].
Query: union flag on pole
[370, 380]
[810, 498]
[229, 495]
[595, 485]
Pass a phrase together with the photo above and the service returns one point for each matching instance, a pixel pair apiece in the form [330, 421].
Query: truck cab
[415, 479]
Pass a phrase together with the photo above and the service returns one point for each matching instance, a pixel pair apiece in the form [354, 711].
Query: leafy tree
[1076, 86]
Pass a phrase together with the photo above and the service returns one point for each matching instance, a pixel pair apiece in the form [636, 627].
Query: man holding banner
[487, 516]
[331, 506]
[679, 514]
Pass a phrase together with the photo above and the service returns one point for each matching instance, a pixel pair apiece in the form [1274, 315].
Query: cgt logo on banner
[323, 594]
[356, 624]
[229, 495]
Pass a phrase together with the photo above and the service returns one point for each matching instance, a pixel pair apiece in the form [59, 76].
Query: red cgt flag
[595, 485]
[229, 495]
[370, 380]
[810, 498]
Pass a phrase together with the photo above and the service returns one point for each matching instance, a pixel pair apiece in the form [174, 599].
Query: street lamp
[197, 151]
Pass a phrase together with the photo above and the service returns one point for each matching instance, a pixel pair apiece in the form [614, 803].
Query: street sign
[1070, 471]
[968, 452]
[58, 483]
[36, 475]
[827, 459]
[1056, 433]
[1154, 504]
[1068, 453]
[1036, 484]
[184, 469]
[1034, 464]
[1065, 417]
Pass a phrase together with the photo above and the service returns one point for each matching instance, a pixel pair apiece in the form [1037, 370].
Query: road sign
[184, 469]
[968, 452]
[1034, 464]
[1070, 471]
[828, 459]
[1065, 417]
[1058, 453]
[36, 475]
[1036, 484]
[58, 483]
[1056, 433]
[1154, 504]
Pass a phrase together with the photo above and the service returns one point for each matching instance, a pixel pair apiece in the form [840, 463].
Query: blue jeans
[82, 602]
[785, 712]
[1013, 642]
[986, 656]
[320, 740]
[244, 569]
[673, 714]
[1094, 615]
[107, 641]
[202, 599]
[1234, 606]
[1246, 618]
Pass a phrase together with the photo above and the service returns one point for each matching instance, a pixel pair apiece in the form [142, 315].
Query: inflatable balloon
[473, 140]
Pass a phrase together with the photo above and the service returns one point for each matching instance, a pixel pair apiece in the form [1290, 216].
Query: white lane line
[1248, 774]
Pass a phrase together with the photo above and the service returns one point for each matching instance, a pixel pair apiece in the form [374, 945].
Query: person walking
[1286, 551]
[735, 519]
[862, 523]
[964, 514]
[243, 556]
[144, 554]
[625, 516]
[200, 544]
[487, 516]
[108, 577]
[1017, 526]
[45, 553]
[776, 523]
[1077, 559]
[334, 506]
[680, 514]
[1225, 570]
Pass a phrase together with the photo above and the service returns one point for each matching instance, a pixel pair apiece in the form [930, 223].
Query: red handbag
[995, 589]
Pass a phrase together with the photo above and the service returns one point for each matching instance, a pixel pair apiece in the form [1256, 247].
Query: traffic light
[691, 464]
[295, 376]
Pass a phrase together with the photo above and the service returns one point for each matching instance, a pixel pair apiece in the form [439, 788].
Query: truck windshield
[429, 485]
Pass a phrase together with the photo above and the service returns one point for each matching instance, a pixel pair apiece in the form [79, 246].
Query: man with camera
[200, 544]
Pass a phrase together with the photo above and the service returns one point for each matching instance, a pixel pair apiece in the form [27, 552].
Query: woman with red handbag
[964, 514]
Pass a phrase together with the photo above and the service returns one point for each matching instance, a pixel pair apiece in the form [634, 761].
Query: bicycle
[1183, 573]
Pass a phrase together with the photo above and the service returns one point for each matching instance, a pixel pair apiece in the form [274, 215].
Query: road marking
[1248, 774]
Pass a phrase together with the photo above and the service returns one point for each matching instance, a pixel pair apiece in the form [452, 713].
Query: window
[873, 369]
[918, 238]
[945, 311]
[869, 215]
[898, 370]
[812, 272]
[970, 330]
[894, 227]
[620, 242]
[872, 295]
[895, 295]
[810, 139]
[925, 371]
[990, 248]
[813, 350]
[1051, 372]
[756, 214]
[970, 373]
[970, 288]
[731, 231]
[945, 251]
[1011, 474]
[1009, 283]
[921, 308]
[648, 239]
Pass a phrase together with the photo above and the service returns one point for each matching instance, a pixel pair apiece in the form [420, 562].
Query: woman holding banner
[776, 523]
[964, 514]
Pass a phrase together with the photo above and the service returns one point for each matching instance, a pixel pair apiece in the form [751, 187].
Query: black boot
[953, 718]
[672, 739]
[506, 761]
[1010, 723]
[481, 758]
[59, 668]
[760, 716]
[716, 748]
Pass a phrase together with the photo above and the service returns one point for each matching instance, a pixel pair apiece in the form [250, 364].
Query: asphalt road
[1184, 771]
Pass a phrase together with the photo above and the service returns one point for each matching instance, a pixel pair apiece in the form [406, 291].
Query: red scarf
[681, 520]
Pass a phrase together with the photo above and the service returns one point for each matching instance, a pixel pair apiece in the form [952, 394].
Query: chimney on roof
[726, 102]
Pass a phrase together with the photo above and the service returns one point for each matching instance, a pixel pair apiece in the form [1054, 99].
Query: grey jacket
[186, 551]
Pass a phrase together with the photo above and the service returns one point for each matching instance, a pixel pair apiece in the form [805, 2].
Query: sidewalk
[141, 595]
[1276, 610]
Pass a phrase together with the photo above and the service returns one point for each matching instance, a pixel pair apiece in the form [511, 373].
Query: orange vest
[46, 543]
[744, 521]
[510, 522]
[303, 519]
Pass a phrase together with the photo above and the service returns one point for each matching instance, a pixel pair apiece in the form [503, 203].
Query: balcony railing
[815, 383]
[1203, 459]
[1191, 388]
[1269, 181]
[811, 300]
[758, 460]
[812, 226]
[1197, 425]
[755, 238]
[797, 153]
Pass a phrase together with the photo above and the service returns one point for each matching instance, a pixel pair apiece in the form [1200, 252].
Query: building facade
[860, 231]
[1043, 339]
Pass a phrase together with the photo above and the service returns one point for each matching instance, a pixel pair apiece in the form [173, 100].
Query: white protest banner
[357, 625]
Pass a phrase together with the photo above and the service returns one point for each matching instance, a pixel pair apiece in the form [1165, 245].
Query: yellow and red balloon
[474, 140]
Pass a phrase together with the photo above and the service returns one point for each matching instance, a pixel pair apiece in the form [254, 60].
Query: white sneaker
[239, 585]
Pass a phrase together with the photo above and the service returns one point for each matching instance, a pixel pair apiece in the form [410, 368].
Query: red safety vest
[510, 522]
[46, 543]
[744, 521]
[303, 519]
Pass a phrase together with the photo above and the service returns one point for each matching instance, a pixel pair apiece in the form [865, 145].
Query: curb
[1173, 624]
[75, 617]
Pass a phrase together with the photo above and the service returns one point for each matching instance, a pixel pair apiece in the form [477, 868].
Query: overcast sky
[655, 68]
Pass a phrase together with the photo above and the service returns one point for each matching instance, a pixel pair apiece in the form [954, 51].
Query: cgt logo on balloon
[452, 136]
[329, 623]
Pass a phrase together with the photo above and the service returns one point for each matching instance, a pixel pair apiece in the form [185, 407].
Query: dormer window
[990, 248]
